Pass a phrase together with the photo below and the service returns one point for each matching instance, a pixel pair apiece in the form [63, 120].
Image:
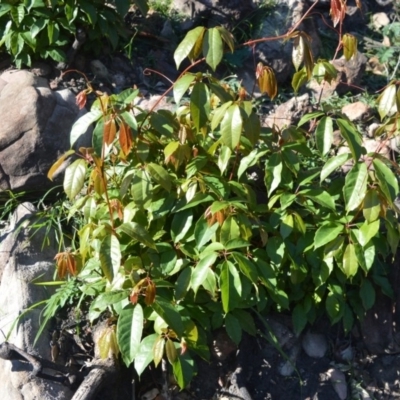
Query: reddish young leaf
[150, 293]
[338, 11]
[81, 99]
[65, 262]
[125, 138]
[266, 80]
[110, 130]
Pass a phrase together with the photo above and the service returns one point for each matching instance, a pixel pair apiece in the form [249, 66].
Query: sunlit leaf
[74, 178]
[187, 44]
[137, 232]
[200, 105]
[355, 186]
[110, 256]
[326, 233]
[129, 332]
[387, 180]
[231, 127]
[350, 262]
[324, 135]
[213, 48]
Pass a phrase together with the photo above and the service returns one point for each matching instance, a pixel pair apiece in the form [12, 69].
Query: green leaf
[74, 178]
[246, 321]
[246, 162]
[203, 233]
[183, 369]
[247, 267]
[182, 284]
[324, 135]
[57, 55]
[18, 14]
[141, 187]
[169, 314]
[219, 113]
[326, 233]
[387, 101]
[387, 180]
[230, 285]
[350, 262]
[182, 85]
[233, 328]
[372, 206]
[137, 232]
[355, 186]
[309, 116]
[110, 256]
[223, 158]
[103, 300]
[287, 225]
[299, 79]
[333, 164]
[187, 44]
[353, 138]
[158, 350]
[83, 123]
[227, 37]
[368, 231]
[334, 307]
[129, 332]
[231, 127]
[319, 196]
[200, 105]
[181, 223]
[213, 47]
[273, 173]
[299, 318]
[170, 351]
[160, 175]
[229, 230]
[142, 5]
[367, 294]
[200, 272]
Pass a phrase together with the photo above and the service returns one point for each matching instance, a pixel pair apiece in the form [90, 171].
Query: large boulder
[34, 132]
[25, 255]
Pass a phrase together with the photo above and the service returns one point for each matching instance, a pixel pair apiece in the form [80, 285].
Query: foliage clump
[191, 220]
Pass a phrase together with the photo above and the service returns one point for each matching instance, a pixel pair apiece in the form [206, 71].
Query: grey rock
[23, 259]
[338, 380]
[314, 344]
[35, 128]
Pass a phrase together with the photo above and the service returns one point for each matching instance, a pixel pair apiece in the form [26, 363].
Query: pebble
[315, 345]
[338, 381]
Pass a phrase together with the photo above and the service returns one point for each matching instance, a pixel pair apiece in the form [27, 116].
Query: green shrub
[191, 220]
[43, 29]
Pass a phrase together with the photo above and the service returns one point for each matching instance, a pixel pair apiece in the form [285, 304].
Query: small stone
[287, 367]
[315, 345]
[338, 381]
[99, 69]
[357, 111]
[380, 19]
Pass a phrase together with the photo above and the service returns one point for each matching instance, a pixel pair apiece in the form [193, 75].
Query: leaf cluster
[31, 29]
[200, 218]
